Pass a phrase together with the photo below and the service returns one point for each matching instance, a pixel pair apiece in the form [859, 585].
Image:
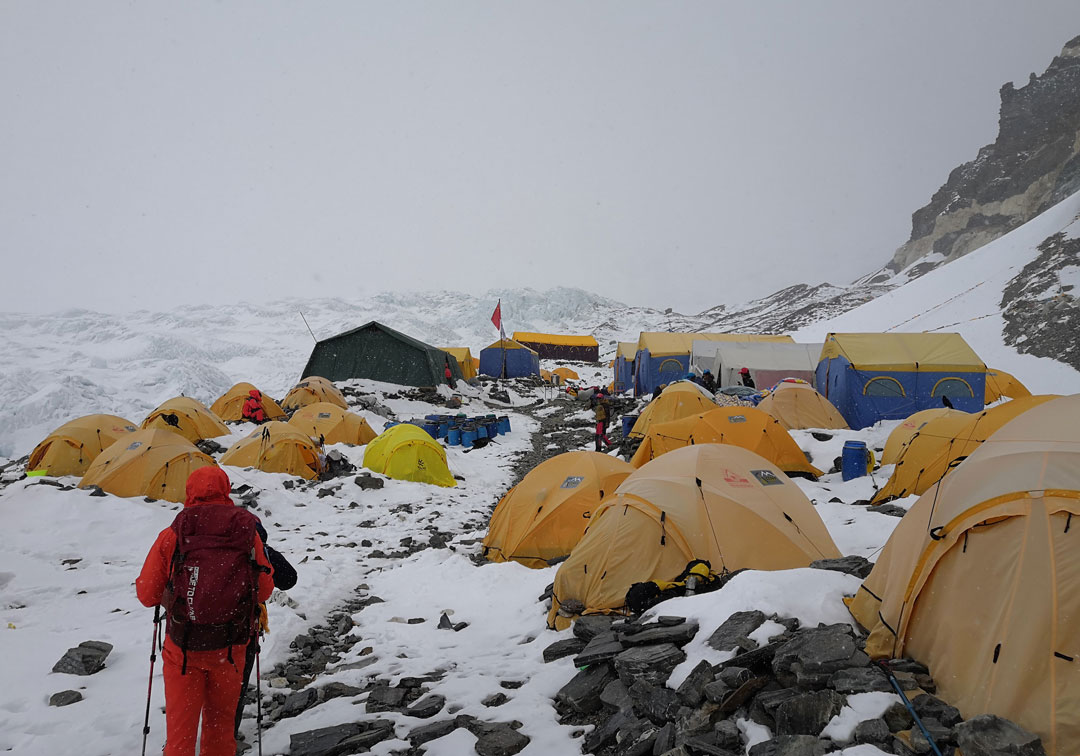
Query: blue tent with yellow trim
[664, 358]
[888, 376]
[508, 359]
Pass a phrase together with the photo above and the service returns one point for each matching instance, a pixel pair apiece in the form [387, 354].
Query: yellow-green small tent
[188, 417]
[679, 400]
[980, 580]
[71, 448]
[1001, 384]
[405, 452]
[544, 516]
[715, 502]
[311, 390]
[747, 427]
[465, 360]
[276, 447]
[333, 424]
[151, 462]
[230, 405]
[799, 406]
[944, 442]
[566, 374]
[903, 433]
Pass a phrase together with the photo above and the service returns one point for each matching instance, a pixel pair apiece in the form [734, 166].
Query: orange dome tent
[1001, 384]
[151, 462]
[334, 424]
[679, 400]
[71, 448]
[188, 417]
[230, 405]
[276, 447]
[903, 433]
[311, 390]
[798, 406]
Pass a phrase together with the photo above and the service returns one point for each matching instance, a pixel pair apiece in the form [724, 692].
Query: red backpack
[211, 596]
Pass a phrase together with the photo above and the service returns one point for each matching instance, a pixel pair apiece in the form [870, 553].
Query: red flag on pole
[496, 317]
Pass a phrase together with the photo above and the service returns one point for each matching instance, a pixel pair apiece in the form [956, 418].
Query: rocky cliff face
[1033, 164]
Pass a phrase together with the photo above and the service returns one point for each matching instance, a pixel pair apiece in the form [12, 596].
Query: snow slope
[965, 296]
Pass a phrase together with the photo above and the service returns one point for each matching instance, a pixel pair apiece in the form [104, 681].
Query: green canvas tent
[382, 354]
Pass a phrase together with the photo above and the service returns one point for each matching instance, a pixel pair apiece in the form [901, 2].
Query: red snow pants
[210, 690]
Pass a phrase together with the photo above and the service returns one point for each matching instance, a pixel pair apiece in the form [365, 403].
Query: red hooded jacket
[253, 409]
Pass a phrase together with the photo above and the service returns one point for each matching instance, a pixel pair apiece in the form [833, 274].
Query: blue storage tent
[518, 360]
[663, 357]
[624, 366]
[889, 376]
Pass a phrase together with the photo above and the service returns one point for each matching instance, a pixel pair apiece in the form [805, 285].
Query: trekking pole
[258, 696]
[911, 709]
[150, 684]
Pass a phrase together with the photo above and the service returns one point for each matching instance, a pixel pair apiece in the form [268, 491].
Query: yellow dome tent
[188, 417]
[679, 400]
[1001, 384]
[798, 405]
[405, 452]
[71, 448]
[566, 374]
[905, 431]
[944, 443]
[747, 427]
[544, 516]
[230, 404]
[311, 390]
[276, 447]
[151, 462]
[465, 360]
[980, 580]
[714, 502]
[545, 375]
[333, 424]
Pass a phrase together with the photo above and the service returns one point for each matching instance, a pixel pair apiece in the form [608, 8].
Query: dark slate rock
[763, 709]
[927, 705]
[582, 693]
[696, 721]
[728, 736]
[338, 690]
[888, 509]
[678, 635]
[385, 698]
[706, 746]
[717, 691]
[606, 731]
[732, 634]
[299, 702]
[616, 696]
[758, 661]
[735, 677]
[897, 718]
[669, 621]
[941, 735]
[692, 690]
[367, 481]
[791, 745]
[65, 698]
[422, 734]
[564, 647]
[500, 741]
[602, 648]
[591, 625]
[653, 664]
[636, 739]
[85, 659]
[908, 665]
[807, 713]
[495, 699]
[812, 656]
[665, 739]
[426, 707]
[872, 731]
[660, 705]
[852, 565]
[862, 680]
[340, 739]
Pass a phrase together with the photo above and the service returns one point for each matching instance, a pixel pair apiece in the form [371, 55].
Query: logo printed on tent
[735, 480]
[135, 445]
[737, 419]
[572, 481]
[767, 477]
[324, 415]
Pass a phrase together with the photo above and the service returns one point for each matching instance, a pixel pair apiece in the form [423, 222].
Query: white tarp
[767, 361]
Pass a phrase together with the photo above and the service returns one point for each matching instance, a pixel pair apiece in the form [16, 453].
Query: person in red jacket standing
[204, 682]
[253, 408]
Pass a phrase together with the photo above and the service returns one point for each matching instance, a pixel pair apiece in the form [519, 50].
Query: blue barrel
[853, 460]
[468, 435]
[431, 428]
[453, 435]
[390, 424]
[492, 428]
[628, 423]
[504, 424]
[444, 427]
[481, 430]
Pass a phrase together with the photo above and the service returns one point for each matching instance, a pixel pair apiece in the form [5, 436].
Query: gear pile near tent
[230, 405]
[71, 448]
[663, 357]
[188, 417]
[276, 447]
[465, 360]
[544, 516]
[312, 390]
[405, 452]
[332, 424]
[380, 353]
[679, 400]
[944, 442]
[506, 358]
[767, 361]
[554, 346]
[980, 580]
[715, 502]
[798, 406]
[889, 376]
[746, 427]
[152, 462]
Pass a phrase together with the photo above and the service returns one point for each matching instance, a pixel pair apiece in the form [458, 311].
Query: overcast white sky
[673, 154]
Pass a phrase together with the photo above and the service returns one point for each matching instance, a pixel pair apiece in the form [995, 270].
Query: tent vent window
[883, 385]
[952, 387]
[997, 652]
